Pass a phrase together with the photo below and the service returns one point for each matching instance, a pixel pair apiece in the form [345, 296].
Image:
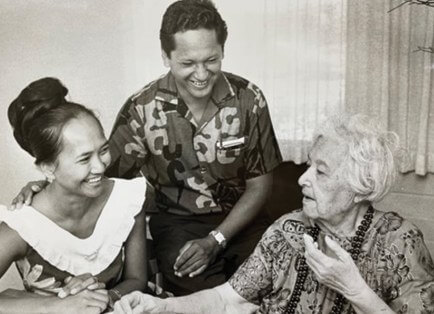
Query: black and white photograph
[217, 156]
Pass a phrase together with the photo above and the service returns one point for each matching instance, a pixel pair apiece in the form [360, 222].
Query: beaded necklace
[302, 268]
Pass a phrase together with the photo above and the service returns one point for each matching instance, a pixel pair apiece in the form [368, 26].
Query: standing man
[204, 139]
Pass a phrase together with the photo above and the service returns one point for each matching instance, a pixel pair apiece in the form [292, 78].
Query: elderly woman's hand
[84, 302]
[138, 302]
[341, 274]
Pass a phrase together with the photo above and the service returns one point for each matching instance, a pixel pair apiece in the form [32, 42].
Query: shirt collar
[168, 92]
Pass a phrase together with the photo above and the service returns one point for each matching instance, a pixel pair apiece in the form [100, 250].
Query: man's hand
[341, 274]
[26, 194]
[195, 256]
[74, 285]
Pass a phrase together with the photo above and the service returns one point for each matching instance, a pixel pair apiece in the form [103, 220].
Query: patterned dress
[394, 262]
[55, 254]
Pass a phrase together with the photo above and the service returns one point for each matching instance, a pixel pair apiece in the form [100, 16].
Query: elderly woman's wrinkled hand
[138, 303]
[84, 302]
[340, 274]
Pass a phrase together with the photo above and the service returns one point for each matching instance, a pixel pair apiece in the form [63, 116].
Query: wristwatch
[219, 237]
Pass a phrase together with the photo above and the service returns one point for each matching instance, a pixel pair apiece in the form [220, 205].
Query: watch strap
[219, 237]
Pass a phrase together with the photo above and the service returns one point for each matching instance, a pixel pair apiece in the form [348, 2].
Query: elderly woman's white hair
[371, 165]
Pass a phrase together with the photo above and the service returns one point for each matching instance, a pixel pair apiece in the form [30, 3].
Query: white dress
[55, 253]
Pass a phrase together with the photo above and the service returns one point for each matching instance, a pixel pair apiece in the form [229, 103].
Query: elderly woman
[338, 254]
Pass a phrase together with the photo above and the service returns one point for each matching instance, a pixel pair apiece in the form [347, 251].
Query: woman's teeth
[94, 180]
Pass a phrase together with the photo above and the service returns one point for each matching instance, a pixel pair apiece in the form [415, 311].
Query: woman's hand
[137, 302]
[84, 302]
[26, 194]
[341, 274]
[79, 283]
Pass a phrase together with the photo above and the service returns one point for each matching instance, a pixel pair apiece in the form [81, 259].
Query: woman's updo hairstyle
[38, 116]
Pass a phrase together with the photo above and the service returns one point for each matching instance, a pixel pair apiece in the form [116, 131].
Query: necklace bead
[302, 268]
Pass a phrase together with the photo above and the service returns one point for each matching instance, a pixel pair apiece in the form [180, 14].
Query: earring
[49, 176]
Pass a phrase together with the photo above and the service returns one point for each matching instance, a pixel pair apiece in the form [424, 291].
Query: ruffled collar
[76, 255]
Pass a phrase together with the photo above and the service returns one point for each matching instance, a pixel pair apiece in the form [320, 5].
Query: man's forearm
[248, 206]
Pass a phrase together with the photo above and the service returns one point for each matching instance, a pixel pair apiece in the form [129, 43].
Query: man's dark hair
[184, 15]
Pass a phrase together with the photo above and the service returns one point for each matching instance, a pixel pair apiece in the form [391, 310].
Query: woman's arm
[367, 301]
[12, 248]
[222, 300]
[135, 273]
[85, 302]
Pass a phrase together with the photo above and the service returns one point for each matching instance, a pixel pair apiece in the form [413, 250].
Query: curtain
[389, 73]
[304, 71]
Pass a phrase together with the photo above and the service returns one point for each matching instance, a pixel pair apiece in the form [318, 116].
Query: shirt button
[202, 169]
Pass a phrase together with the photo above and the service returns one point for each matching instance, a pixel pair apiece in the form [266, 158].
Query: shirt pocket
[231, 155]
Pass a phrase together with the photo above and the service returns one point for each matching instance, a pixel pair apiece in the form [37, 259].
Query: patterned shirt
[394, 262]
[195, 169]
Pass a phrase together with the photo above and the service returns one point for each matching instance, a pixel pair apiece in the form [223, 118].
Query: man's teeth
[199, 84]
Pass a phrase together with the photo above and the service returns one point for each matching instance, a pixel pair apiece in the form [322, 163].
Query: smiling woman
[71, 255]
[85, 155]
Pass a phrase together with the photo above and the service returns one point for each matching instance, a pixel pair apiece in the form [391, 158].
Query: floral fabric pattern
[394, 262]
[32, 282]
[41, 277]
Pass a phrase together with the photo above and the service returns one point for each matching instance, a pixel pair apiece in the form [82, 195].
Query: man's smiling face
[195, 63]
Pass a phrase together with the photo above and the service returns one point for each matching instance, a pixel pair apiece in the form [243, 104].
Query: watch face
[219, 237]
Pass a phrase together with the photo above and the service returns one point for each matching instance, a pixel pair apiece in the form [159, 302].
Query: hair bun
[45, 89]
[38, 97]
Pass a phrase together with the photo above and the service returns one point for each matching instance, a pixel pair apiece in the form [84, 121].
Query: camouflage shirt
[195, 169]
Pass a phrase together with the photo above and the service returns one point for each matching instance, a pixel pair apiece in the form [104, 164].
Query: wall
[89, 45]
